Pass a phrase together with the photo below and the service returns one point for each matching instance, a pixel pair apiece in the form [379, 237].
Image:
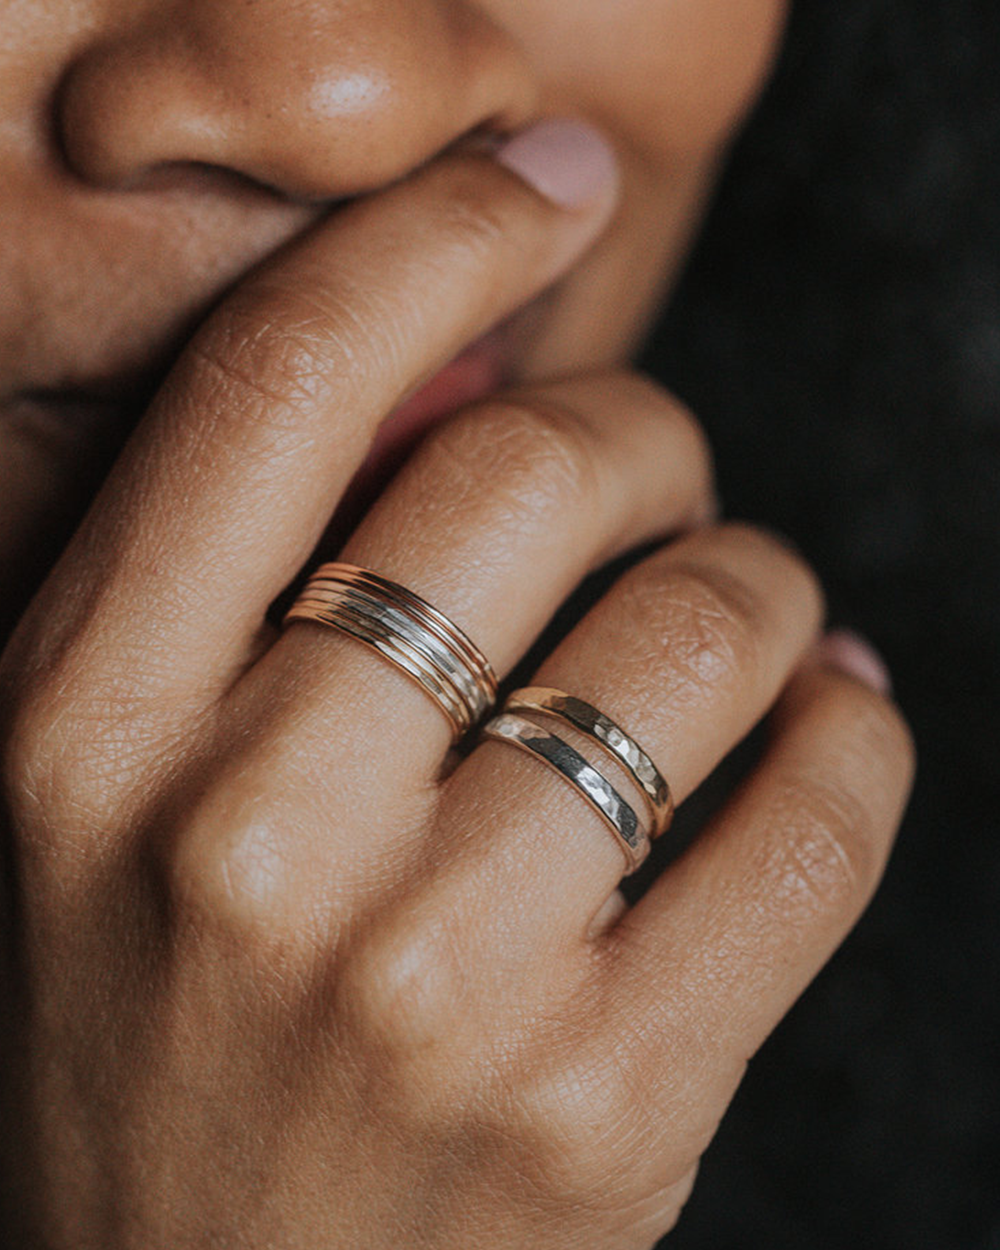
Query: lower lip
[66, 423]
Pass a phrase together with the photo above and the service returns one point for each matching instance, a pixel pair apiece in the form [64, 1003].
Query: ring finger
[686, 653]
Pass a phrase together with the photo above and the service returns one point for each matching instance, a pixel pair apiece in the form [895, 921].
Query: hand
[274, 981]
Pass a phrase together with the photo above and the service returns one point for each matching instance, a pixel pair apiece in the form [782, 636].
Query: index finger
[225, 488]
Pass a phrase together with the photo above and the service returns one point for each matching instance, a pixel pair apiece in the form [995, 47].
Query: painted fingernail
[852, 654]
[566, 161]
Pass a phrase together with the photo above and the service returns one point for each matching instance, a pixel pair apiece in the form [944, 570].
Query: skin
[281, 972]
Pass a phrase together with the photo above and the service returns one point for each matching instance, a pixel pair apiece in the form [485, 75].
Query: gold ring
[408, 631]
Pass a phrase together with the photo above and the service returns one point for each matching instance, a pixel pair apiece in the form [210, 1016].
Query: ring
[417, 638]
[633, 836]
[603, 730]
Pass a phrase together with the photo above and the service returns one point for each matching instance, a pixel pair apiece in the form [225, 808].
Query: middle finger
[518, 498]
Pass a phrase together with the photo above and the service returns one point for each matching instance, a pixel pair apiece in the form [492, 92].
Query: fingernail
[848, 651]
[566, 161]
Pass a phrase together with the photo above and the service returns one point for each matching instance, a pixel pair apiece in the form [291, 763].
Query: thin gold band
[408, 631]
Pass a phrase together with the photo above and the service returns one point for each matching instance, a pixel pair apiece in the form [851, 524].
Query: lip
[84, 428]
[71, 424]
[482, 368]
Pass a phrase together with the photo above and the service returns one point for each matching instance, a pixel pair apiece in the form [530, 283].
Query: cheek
[672, 77]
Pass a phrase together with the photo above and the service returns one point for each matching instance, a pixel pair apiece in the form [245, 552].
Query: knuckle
[277, 352]
[583, 1127]
[834, 817]
[67, 756]
[748, 545]
[539, 454]
[644, 392]
[243, 355]
[397, 992]
[714, 603]
[227, 871]
[823, 859]
[708, 619]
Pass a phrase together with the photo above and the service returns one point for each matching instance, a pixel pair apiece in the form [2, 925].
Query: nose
[316, 101]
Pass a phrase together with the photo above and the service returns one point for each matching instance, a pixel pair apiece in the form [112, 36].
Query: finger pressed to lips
[227, 484]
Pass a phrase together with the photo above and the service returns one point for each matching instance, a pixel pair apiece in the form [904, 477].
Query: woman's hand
[273, 981]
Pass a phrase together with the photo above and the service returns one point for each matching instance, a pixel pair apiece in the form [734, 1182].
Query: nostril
[314, 103]
[488, 138]
[121, 113]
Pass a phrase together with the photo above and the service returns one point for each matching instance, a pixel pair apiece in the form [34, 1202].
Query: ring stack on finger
[416, 637]
[633, 834]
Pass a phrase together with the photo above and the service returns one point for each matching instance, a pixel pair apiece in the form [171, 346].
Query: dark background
[838, 333]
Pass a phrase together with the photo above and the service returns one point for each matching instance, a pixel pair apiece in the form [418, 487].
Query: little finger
[716, 952]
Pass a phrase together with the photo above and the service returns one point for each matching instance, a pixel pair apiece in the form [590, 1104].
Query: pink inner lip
[479, 371]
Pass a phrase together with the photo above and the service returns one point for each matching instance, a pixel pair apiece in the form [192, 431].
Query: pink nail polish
[566, 161]
[852, 654]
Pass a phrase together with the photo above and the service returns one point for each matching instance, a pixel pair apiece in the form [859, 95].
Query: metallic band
[592, 785]
[417, 638]
[603, 730]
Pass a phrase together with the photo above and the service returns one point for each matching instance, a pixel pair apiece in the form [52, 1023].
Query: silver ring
[615, 811]
[607, 734]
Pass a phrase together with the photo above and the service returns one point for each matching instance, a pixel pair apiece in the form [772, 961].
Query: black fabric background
[838, 333]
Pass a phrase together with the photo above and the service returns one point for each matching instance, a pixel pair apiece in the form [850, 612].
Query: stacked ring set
[434, 652]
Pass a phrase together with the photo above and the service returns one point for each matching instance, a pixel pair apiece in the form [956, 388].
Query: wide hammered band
[633, 836]
[416, 637]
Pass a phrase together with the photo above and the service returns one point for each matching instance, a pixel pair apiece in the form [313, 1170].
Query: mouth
[79, 431]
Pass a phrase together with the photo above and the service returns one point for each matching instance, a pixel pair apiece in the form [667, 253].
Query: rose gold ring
[417, 638]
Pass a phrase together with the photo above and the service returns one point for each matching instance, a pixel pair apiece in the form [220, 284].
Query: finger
[517, 499]
[711, 958]
[227, 485]
[686, 653]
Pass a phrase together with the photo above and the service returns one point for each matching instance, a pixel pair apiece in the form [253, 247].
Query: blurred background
[838, 334]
